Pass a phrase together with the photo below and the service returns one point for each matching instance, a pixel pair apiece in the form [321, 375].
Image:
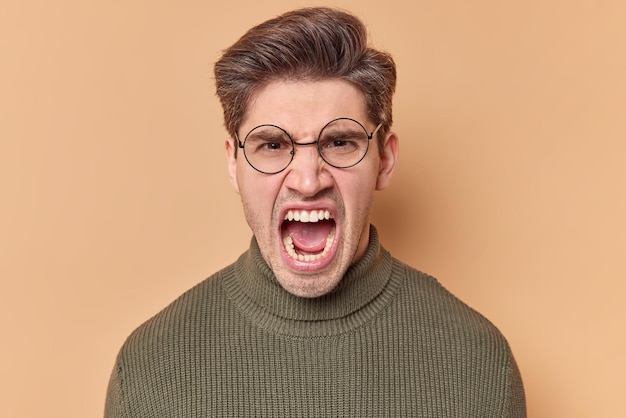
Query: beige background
[115, 200]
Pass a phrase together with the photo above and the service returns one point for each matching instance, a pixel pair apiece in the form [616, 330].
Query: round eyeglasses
[342, 143]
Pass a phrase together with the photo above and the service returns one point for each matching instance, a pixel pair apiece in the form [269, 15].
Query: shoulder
[450, 335]
[428, 303]
[155, 353]
[188, 314]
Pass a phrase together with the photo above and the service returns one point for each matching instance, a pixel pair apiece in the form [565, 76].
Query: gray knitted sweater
[389, 342]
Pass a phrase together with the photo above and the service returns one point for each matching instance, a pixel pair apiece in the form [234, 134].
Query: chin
[308, 287]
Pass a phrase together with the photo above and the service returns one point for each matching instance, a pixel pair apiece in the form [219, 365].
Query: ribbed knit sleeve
[515, 397]
[113, 406]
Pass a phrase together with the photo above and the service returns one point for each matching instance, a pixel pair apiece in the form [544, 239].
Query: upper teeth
[307, 215]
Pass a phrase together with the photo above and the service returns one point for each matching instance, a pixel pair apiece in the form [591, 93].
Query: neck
[260, 294]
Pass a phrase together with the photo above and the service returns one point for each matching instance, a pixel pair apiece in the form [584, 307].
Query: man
[316, 319]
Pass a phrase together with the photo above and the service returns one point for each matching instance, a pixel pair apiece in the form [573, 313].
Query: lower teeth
[291, 249]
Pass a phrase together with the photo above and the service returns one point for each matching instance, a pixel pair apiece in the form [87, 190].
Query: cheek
[257, 191]
[357, 191]
[247, 178]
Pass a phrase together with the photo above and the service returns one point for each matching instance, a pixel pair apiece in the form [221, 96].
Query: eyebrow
[265, 134]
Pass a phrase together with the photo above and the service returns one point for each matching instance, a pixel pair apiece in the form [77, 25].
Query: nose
[307, 174]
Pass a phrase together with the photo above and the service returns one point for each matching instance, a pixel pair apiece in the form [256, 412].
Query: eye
[268, 141]
[272, 146]
[342, 141]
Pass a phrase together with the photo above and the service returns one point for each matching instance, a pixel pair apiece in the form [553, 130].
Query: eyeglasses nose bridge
[305, 144]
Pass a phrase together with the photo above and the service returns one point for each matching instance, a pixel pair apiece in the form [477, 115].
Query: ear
[388, 159]
[229, 145]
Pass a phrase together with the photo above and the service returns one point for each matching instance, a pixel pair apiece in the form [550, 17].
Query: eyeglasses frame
[294, 143]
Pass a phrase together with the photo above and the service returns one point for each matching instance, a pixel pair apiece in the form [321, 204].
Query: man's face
[310, 258]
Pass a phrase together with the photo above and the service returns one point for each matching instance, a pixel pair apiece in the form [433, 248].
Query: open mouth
[308, 235]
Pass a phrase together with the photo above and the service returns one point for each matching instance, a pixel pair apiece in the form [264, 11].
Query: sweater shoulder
[156, 353]
[433, 303]
[449, 331]
[185, 314]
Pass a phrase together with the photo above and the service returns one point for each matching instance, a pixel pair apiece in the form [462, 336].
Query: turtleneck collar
[254, 288]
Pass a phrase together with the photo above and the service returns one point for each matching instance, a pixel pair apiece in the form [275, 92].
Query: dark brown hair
[306, 44]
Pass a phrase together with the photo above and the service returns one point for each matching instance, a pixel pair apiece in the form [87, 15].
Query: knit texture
[388, 342]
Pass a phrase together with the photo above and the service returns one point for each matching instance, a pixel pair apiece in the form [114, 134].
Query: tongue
[309, 236]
